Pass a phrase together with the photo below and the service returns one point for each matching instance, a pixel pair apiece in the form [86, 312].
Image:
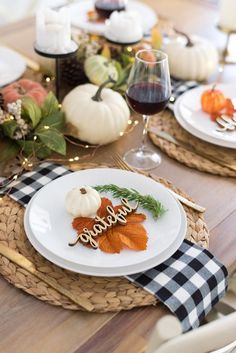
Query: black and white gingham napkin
[190, 282]
[178, 88]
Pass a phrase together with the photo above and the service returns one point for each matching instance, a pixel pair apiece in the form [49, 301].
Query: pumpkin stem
[97, 97]
[83, 191]
[213, 87]
[21, 90]
[189, 42]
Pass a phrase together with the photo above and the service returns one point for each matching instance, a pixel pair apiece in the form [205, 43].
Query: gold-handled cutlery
[166, 136]
[30, 63]
[26, 264]
[121, 164]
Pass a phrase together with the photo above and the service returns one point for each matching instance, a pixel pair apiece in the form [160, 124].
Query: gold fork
[121, 164]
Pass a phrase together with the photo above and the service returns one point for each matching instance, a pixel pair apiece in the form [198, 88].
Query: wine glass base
[142, 158]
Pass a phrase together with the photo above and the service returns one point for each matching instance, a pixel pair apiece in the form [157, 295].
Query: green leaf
[31, 110]
[53, 139]
[9, 150]
[50, 105]
[123, 74]
[34, 148]
[55, 121]
[9, 127]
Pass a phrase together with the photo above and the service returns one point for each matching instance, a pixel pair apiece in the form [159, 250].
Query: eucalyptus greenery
[146, 201]
[45, 125]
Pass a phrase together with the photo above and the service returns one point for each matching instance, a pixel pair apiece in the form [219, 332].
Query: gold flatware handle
[79, 301]
[26, 264]
[183, 200]
[121, 164]
[187, 202]
[30, 63]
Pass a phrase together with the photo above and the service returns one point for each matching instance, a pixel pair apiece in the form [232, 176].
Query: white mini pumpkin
[192, 58]
[82, 202]
[95, 114]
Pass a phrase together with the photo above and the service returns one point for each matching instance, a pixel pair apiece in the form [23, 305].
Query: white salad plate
[79, 17]
[188, 113]
[48, 225]
[12, 66]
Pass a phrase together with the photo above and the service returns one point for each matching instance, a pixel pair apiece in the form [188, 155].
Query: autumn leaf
[102, 211]
[136, 218]
[80, 223]
[133, 217]
[110, 241]
[133, 236]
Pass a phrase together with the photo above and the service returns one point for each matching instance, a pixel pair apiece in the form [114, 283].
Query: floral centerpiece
[95, 52]
[30, 123]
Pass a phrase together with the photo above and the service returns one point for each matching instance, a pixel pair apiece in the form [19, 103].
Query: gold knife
[26, 264]
[166, 136]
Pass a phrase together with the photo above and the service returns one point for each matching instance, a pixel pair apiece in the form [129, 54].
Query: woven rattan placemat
[105, 294]
[167, 122]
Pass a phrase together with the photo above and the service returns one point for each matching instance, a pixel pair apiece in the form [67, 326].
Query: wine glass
[148, 92]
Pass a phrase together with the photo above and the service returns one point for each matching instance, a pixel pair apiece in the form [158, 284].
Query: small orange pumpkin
[212, 101]
[22, 88]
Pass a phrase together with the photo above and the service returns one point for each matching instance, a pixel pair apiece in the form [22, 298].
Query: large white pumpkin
[196, 60]
[95, 115]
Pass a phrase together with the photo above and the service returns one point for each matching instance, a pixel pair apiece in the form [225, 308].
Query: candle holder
[226, 58]
[57, 58]
[123, 44]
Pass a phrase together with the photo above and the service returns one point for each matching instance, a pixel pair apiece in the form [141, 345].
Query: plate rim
[199, 134]
[86, 270]
[17, 57]
[119, 271]
[100, 28]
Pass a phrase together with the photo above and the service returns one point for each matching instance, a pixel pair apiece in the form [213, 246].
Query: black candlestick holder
[57, 58]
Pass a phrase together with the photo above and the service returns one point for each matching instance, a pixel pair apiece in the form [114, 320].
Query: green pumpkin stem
[189, 42]
[97, 97]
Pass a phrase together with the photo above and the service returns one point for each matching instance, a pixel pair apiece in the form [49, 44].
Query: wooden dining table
[28, 325]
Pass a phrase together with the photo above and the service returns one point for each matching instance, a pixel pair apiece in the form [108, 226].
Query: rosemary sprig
[146, 201]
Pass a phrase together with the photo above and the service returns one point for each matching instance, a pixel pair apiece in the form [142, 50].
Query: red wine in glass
[105, 8]
[148, 92]
[147, 98]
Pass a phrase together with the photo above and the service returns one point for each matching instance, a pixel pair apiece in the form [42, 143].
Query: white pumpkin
[196, 59]
[95, 114]
[82, 202]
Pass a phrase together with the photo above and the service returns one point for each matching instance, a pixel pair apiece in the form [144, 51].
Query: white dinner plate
[79, 18]
[188, 113]
[12, 66]
[48, 226]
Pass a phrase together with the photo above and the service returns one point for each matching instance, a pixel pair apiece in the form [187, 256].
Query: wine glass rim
[164, 56]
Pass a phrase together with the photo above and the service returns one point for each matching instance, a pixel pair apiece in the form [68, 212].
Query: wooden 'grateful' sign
[104, 223]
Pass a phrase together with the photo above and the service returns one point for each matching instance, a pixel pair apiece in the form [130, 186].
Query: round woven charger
[167, 122]
[105, 294]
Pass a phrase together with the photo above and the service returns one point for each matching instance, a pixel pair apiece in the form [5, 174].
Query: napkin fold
[189, 283]
[178, 88]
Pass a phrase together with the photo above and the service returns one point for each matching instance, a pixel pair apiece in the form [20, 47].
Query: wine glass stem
[145, 130]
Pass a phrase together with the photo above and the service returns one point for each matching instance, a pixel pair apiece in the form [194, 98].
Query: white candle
[228, 14]
[53, 31]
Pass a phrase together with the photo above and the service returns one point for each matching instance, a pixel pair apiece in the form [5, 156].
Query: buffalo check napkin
[189, 283]
[179, 88]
